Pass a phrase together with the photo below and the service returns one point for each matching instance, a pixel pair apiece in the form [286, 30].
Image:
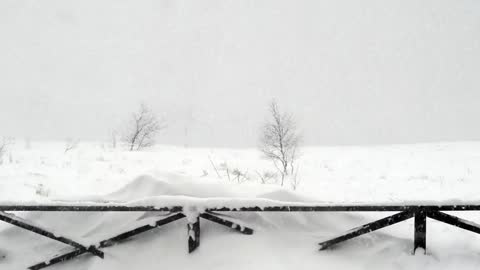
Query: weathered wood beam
[349, 208]
[111, 241]
[282, 208]
[369, 227]
[193, 229]
[89, 208]
[214, 218]
[455, 221]
[58, 259]
[16, 221]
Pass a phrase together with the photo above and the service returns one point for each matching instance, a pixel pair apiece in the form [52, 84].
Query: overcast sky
[352, 72]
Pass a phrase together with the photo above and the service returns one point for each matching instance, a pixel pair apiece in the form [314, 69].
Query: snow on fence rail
[207, 210]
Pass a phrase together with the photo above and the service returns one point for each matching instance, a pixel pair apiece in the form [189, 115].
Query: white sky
[352, 72]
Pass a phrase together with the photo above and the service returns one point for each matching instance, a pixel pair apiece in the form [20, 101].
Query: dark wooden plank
[107, 243]
[455, 221]
[369, 227]
[213, 218]
[58, 259]
[283, 208]
[89, 208]
[193, 229]
[349, 208]
[420, 231]
[111, 241]
[16, 221]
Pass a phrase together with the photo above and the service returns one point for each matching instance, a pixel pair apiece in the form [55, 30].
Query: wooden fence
[418, 212]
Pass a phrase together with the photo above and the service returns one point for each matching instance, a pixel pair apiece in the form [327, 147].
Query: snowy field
[424, 172]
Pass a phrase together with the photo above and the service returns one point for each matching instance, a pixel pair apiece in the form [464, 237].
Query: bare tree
[113, 138]
[142, 129]
[3, 148]
[279, 141]
[4, 145]
[295, 181]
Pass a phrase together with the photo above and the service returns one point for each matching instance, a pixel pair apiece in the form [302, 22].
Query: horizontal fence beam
[283, 208]
[89, 208]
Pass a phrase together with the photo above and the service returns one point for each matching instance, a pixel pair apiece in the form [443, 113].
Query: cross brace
[193, 239]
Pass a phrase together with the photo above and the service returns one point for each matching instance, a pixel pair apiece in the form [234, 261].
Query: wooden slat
[58, 259]
[369, 227]
[224, 222]
[111, 241]
[108, 242]
[282, 208]
[89, 208]
[455, 221]
[12, 219]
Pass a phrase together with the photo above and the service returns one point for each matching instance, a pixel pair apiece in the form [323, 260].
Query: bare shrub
[267, 177]
[214, 167]
[70, 144]
[41, 190]
[224, 167]
[240, 176]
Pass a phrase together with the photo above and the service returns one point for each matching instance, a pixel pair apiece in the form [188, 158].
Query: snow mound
[170, 184]
[143, 186]
[284, 196]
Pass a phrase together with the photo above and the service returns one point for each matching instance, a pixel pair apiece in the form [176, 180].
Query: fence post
[420, 234]
[193, 234]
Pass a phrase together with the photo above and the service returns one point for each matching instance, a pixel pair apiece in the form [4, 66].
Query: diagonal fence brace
[214, 218]
[369, 227]
[454, 221]
[108, 242]
[16, 221]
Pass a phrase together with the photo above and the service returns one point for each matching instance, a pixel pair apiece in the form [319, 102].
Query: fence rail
[420, 213]
[282, 208]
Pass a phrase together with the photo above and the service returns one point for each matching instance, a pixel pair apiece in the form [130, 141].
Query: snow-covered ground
[433, 172]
